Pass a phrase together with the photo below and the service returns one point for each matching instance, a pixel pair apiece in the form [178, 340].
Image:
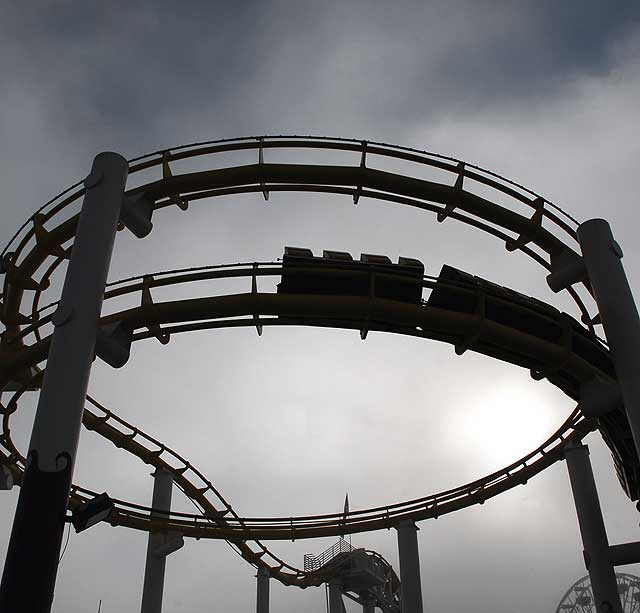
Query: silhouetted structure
[579, 597]
[369, 294]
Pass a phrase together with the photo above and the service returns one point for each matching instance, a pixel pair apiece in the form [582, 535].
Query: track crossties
[369, 293]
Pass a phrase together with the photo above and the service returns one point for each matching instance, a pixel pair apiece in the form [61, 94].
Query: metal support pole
[592, 529]
[411, 588]
[31, 564]
[602, 257]
[262, 596]
[153, 586]
[336, 605]
[368, 606]
[625, 553]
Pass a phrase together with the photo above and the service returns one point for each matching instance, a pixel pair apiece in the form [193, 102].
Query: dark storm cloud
[119, 68]
[530, 50]
[459, 57]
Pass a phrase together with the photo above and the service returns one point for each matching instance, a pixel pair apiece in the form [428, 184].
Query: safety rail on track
[252, 271]
[42, 316]
[247, 270]
[21, 259]
[359, 147]
[209, 524]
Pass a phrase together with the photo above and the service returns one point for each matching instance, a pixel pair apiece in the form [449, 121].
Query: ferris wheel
[579, 597]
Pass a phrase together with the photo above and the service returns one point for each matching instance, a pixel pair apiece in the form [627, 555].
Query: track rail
[523, 220]
[540, 236]
[552, 358]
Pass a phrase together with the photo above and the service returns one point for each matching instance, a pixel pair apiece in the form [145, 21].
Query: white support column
[592, 529]
[262, 592]
[31, 564]
[410, 583]
[159, 545]
[603, 263]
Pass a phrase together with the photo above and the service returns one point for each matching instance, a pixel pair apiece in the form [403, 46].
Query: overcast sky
[543, 92]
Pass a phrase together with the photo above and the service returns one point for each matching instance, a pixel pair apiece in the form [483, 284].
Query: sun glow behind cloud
[504, 424]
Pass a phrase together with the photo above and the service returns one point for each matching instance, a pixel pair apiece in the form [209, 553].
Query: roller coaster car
[337, 273]
[459, 291]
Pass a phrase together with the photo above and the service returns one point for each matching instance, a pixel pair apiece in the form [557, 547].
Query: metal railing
[313, 563]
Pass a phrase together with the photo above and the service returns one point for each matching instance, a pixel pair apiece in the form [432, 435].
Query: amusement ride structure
[50, 348]
[579, 597]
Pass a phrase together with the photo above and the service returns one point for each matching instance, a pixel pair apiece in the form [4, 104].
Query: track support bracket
[455, 196]
[113, 344]
[176, 199]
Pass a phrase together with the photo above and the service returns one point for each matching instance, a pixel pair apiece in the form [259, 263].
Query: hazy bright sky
[543, 92]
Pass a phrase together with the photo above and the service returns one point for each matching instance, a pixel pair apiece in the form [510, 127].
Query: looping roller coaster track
[467, 312]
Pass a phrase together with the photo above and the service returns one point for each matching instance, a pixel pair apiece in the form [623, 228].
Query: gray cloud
[121, 72]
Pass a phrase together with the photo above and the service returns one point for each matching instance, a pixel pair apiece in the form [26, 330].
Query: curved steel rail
[528, 223]
[521, 224]
[559, 360]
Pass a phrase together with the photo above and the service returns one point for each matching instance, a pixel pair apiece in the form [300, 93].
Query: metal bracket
[567, 268]
[254, 290]
[265, 571]
[480, 313]
[265, 191]
[147, 304]
[624, 553]
[173, 542]
[597, 398]
[535, 225]
[176, 199]
[113, 344]
[93, 179]
[479, 494]
[591, 322]
[363, 165]
[364, 331]
[136, 213]
[455, 196]
[44, 240]
[15, 276]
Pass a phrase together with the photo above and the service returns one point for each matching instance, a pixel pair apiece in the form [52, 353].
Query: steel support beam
[31, 564]
[592, 529]
[603, 262]
[262, 595]
[153, 586]
[368, 606]
[411, 587]
[336, 604]
[625, 553]
[6, 478]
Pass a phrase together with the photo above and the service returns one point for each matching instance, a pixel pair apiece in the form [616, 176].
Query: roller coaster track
[36, 252]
